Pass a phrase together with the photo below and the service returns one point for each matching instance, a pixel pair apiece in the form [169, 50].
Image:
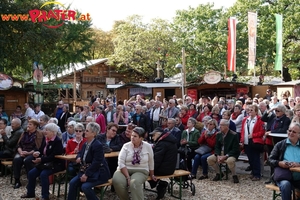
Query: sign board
[243, 90]
[110, 81]
[6, 82]
[193, 93]
[212, 77]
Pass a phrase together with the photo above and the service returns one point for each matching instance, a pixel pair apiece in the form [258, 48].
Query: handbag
[203, 149]
[257, 146]
[184, 150]
[282, 174]
[42, 166]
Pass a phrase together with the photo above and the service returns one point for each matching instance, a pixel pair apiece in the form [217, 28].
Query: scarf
[136, 159]
[235, 115]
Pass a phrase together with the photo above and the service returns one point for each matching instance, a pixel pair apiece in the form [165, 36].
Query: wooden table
[283, 135]
[72, 158]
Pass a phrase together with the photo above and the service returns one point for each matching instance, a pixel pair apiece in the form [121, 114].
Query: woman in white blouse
[135, 164]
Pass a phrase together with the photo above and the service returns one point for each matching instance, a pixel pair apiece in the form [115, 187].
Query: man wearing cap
[165, 158]
[109, 111]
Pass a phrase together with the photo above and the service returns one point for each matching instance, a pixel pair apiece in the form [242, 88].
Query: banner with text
[252, 24]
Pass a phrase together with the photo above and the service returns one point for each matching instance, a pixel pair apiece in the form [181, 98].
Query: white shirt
[249, 123]
[108, 116]
[156, 114]
[29, 112]
[38, 115]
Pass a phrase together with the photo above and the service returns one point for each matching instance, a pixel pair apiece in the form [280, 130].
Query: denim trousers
[86, 187]
[44, 176]
[200, 160]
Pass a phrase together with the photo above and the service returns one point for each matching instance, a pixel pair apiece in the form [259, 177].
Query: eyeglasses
[78, 130]
[289, 131]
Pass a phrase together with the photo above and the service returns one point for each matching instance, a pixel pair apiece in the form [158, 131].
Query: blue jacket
[98, 169]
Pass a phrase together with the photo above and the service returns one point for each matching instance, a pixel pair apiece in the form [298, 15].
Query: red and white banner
[231, 44]
[252, 24]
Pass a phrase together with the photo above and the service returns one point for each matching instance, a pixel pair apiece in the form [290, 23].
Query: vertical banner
[252, 24]
[278, 59]
[231, 44]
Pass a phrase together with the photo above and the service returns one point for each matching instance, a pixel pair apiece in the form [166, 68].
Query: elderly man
[165, 158]
[172, 110]
[10, 143]
[155, 114]
[176, 132]
[59, 109]
[276, 123]
[226, 151]
[140, 119]
[286, 155]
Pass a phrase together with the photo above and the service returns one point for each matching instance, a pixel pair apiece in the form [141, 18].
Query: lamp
[179, 66]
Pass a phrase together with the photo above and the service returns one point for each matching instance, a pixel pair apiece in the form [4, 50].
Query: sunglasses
[78, 130]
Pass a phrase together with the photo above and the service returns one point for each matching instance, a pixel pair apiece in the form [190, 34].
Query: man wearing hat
[165, 158]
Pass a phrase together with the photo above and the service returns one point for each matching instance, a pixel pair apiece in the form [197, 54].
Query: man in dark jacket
[10, 143]
[176, 132]
[141, 120]
[285, 155]
[226, 151]
[165, 158]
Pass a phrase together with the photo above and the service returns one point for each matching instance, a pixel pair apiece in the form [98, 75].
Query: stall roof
[144, 85]
[296, 82]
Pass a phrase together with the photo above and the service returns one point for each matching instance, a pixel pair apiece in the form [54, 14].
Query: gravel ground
[205, 189]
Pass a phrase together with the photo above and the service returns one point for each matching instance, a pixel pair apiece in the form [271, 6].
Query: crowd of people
[149, 134]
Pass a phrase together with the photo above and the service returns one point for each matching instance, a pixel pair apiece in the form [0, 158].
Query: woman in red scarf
[184, 115]
[192, 112]
[206, 112]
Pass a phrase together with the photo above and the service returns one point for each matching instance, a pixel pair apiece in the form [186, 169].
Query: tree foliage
[23, 42]
[139, 47]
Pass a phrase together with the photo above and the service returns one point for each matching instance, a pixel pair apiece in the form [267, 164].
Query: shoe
[268, 181]
[255, 179]
[235, 179]
[218, 177]
[203, 177]
[191, 177]
[161, 189]
[248, 169]
[26, 196]
[17, 185]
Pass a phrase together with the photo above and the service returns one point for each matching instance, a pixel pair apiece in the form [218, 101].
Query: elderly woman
[189, 138]
[237, 117]
[296, 118]
[135, 162]
[93, 167]
[252, 134]
[208, 138]
[29, 142]
[205, 112]
[69, 134]
[226, 115]
[46, 163]
[120, 116]
[184, 115]
[75, 145]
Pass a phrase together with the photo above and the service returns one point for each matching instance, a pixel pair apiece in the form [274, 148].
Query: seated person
[176, 132]
[10, 142]
[111, 142]
[69, 133]
[135, 164]
[126, 135]
[226, 151]
[46, 163]
[189, 138]
[93, 167]
[74, 146]
[29, 141]
[285, 154]
[165, 158]
[208, 137]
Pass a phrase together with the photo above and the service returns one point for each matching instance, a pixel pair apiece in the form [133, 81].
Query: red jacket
[71, 145]
[102, 123]
[258, 131]
[184, 120]
[209, 141]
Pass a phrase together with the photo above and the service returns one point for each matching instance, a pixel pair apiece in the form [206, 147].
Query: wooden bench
[277, 193]
[178, 173]
[7, 164]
